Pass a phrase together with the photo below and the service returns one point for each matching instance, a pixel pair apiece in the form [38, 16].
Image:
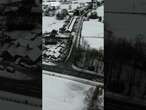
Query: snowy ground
[100, 11]
[64, 94]
[50, 23]
[92, 29]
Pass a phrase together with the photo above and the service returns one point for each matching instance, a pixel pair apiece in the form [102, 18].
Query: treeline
[124, 51]
[90, 59]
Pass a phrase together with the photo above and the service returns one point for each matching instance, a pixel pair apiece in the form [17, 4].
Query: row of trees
[89, 59]
[125, 63]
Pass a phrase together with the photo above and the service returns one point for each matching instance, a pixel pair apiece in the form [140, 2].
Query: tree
[53, 33]
[64, 12]
[93, 15]
[59, 16]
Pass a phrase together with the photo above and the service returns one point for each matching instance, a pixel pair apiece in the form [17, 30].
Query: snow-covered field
[92, 29]
[50, 23]
[64, 94]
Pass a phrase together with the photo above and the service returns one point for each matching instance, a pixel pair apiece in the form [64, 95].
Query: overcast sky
[125, 5]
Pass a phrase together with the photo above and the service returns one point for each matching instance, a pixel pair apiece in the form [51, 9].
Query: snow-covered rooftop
[56, 4]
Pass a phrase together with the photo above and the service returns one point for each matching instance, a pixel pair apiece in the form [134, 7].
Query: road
[68, 70]
[76, 40]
